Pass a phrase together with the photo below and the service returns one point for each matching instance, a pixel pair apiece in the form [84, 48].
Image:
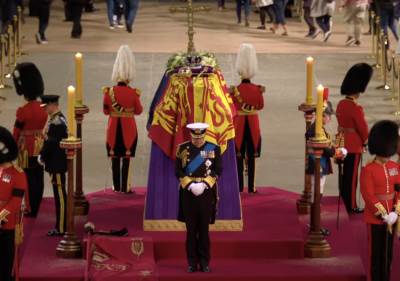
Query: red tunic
[352, 125]
[13, 185]
[28, 129]
[248, 101]
[377, 186]
[122, 103]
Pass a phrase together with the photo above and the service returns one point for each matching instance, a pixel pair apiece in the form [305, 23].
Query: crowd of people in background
[317, 15]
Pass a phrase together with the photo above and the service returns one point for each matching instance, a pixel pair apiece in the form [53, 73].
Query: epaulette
[58, 120]
[138, 92]
[18, 168]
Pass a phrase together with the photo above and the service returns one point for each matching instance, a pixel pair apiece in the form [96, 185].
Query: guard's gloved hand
[392, 218]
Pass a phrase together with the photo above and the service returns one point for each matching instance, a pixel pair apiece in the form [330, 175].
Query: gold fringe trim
[19, 234]
[174, 225]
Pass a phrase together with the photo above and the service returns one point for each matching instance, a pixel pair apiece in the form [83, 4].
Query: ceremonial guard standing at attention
[382, 204]
[54, 159]
[28, 131]
[122, 103]
[198, 165]
[352, 130]
[248, 99]
[12, 189]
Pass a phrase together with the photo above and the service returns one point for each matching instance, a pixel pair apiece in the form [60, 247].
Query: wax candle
[309, 89]
[71, 112]
[78, 78]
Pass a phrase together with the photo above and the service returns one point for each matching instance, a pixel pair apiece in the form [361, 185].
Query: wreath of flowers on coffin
[198, 59]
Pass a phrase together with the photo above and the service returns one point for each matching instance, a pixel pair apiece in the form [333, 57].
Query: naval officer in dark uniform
[54, 158]
[198, 165]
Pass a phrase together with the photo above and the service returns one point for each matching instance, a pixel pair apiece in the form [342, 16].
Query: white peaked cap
[246, 61]
[199, 126]
[124, 65]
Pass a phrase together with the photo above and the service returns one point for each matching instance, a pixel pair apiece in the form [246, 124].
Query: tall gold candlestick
[310, 74]
[78, 78]
[319, 133]
[71, 112]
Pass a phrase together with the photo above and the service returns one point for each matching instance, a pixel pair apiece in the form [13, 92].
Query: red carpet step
[269, 248]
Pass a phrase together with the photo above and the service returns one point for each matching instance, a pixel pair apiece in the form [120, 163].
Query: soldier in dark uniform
[28, 130]
[54, 159]
[12, 189]
[198, 165]
[121, 103]
[248, 99]
[352, 130]
[382, 204]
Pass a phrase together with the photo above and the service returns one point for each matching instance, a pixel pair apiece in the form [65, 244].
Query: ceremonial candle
[78, 76]
[71, 112]
[318, 115]
[310, 65]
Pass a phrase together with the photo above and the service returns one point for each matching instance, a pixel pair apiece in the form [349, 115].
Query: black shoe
[261, 27]
[75, 36]
[54, 232]
[205, 268]
[357, 43]
[129, 29]
[357, 210]
[191, 269]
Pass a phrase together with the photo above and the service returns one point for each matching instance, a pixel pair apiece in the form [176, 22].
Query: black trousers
[43, 13]
[197, 211]
[7, 252]
[324, 23]
[309, 20]
[267, 10]
[120, 175]
[60, 200]
[350, 179]
[380, 252]
[34, 175]
[76, 15]
[246, 153]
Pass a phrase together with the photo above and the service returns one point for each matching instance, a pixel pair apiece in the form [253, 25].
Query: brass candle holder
[70, 246]
[303, 204]
[81, 204]
[316, 245]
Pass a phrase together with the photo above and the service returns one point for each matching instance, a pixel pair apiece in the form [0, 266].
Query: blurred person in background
[266, 7]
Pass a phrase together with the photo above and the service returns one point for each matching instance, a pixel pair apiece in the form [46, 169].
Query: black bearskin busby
[383, 138]
[28, 81]
[356, 79]
[8, 146]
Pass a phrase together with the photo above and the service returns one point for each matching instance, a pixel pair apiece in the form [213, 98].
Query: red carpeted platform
[269, 248]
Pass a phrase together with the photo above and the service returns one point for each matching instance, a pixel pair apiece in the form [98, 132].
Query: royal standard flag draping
[188, 99]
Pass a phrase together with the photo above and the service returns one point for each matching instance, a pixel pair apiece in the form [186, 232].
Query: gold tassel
[19, 233]
[23, 158]
[38, 145]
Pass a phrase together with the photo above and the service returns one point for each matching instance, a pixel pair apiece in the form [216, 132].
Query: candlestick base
[69, 247]
[71, 143]
[81, 205]
[316, 246]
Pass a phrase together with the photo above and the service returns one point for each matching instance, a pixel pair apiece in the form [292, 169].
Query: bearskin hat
[356, 79]
[8, 146]
[383, 138]
[28, 81]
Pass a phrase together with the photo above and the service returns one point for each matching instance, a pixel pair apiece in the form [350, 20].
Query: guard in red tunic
[352, 130]
[12, 189]
[382, 204]
[28, 130]
[122, 103]
[248, 99]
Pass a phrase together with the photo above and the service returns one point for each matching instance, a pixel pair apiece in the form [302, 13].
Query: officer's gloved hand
[40, 161]
[196, 188]
[392, 218]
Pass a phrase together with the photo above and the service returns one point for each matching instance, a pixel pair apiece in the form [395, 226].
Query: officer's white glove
[197, 188]
[385, 218]
[39, 159]
[344, 151]
[392, 218]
